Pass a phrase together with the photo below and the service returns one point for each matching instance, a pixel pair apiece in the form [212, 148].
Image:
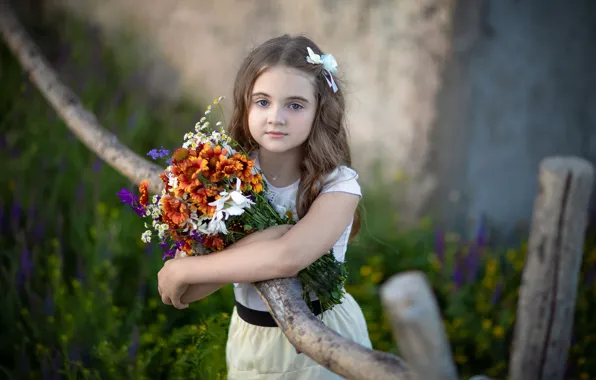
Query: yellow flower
[365, 271]
[461, 359]
[487, 324]
[498, 331]
[377, 277]
[491, 267]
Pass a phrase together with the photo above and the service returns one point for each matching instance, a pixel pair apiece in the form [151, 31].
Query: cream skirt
[264, 353]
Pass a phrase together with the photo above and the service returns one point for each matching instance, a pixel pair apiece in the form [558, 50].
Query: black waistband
[264, 318]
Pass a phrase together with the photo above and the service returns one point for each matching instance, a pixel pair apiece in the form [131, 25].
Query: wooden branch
[549, 280]
[282, 297]
[341, 355]
[417, 326]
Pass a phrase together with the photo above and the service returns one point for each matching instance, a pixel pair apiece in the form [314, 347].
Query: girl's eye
[262, 103]
[296, 106]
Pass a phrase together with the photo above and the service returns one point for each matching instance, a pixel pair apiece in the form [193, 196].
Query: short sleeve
[342, 179]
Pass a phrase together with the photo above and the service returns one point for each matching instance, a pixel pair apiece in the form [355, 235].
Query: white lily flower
[239, 198]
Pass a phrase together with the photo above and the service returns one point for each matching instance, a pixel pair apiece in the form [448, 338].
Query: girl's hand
[170, 285]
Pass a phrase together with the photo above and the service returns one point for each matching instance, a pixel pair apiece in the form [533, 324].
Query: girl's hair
[326, 148]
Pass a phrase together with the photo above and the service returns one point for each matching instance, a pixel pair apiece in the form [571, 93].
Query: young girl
[289, 114]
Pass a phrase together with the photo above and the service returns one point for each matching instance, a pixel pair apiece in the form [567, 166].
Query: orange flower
[180, 154]
[144, 193]
[165, 180]
[213, 241]
[187, 246]
[174, 210]
[202, 197]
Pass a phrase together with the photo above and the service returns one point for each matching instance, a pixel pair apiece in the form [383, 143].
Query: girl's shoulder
[344, 179]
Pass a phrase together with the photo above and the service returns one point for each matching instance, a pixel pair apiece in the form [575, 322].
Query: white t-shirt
[342, 179]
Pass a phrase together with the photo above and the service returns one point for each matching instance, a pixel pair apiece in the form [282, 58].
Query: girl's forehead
[279, 81]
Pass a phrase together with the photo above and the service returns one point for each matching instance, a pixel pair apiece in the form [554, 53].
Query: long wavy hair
[326, 148]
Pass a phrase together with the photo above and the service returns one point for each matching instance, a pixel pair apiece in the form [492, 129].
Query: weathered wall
[389, 52]
[521, 86]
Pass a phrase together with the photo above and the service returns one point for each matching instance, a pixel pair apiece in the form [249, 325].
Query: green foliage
[79, 288]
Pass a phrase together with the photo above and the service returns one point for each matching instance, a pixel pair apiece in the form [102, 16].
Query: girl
[289, 114]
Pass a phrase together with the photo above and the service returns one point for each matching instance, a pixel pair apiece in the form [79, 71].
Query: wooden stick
[417, 326]
[549, 281]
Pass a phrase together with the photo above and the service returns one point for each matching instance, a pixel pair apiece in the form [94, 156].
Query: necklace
[273, 177]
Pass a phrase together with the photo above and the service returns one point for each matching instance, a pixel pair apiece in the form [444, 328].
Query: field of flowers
[79, 287]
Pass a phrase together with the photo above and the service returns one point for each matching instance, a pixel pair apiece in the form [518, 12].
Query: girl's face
[282, 109]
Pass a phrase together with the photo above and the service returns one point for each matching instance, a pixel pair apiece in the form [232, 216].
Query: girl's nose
[276, 116]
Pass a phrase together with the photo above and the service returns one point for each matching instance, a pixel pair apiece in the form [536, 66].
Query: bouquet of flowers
[213, 197]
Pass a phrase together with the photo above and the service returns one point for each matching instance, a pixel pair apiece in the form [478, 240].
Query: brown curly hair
[326, 148]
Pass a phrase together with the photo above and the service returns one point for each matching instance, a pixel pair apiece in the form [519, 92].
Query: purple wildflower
[132, 350]
[132, 200]
[472, 263]
[15, 213]
[24, 273]
[481, 233]
[132, 120]
[158, 153]
[497, 293]
[440, 246]
[49, 303]
[97, 165]
[458, 275]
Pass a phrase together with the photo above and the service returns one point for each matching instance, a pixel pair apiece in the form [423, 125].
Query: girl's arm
[285, 256]
[196, 292]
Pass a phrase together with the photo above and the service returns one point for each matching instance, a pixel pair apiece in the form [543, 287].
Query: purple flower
[472, 261]
[132, 350]
[49, 303]
[127, 197]
[440, 246]
[481, 233]
[497, 293]
[97, 165]
[132, 120]
[158, 153]
[15, 213]
[24, 273]
[132, 200]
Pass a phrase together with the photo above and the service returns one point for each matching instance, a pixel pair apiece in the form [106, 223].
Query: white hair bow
[329, 65]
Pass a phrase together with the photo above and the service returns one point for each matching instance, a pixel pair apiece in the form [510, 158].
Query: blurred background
[452, 105]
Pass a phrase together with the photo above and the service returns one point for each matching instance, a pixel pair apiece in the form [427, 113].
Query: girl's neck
[281, 169]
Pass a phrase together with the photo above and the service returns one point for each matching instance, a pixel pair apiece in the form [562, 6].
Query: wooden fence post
[417, 326]
[549, 281]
